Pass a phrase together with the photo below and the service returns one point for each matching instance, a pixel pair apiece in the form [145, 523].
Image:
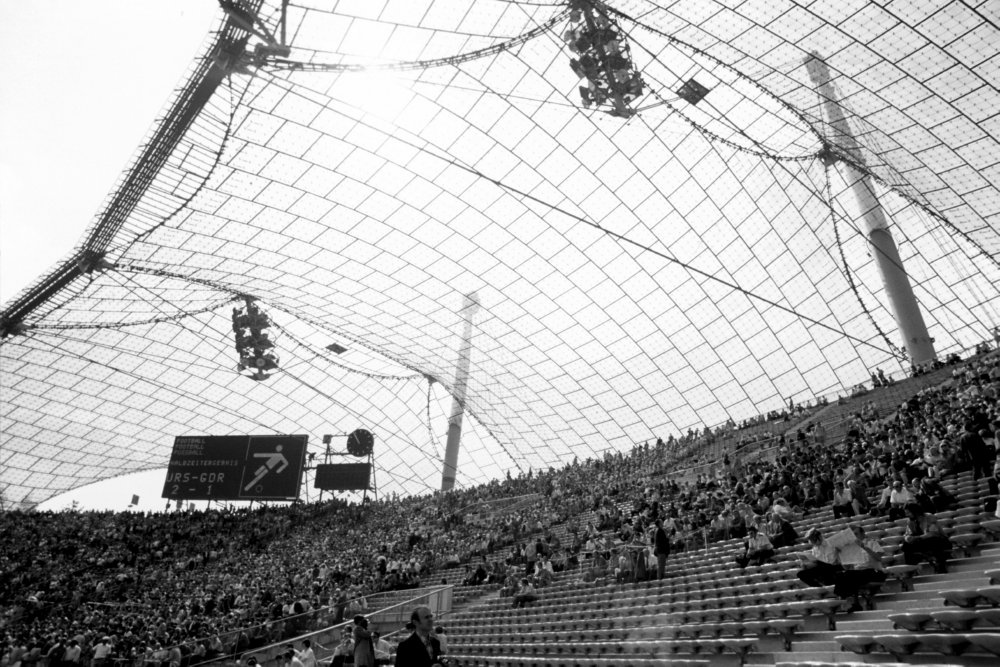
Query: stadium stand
[205, 581]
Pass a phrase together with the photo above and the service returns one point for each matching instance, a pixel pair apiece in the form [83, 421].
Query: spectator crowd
[180, 588]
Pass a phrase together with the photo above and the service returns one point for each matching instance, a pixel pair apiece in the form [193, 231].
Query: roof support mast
[902, 302]
[458, 397]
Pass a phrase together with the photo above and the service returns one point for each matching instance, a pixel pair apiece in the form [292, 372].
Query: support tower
[458, 396]
[902, 301]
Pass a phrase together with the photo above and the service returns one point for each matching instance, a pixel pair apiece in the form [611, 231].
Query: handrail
[234, 635]
[434, 596]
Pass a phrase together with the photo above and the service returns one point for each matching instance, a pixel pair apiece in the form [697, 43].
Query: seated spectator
[757, 549]
[862, 563]
[932, 497]
[525, 594]
[843, 501]
[924, 539]
[513, 581]
[780, 532]
[820, 563]
[545, 571]
[899, 498]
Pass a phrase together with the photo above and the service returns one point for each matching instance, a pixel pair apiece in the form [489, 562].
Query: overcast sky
[80, 84]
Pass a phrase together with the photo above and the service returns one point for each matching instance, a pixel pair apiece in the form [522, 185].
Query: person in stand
[291, 660]
[899, 499]
[862, 563]
[924, 539]
[383, 649]
[843, 501]
[420, 649]
[525, 594]
[545, 572]
[364, 651]
[344, 650]
[102, 652]
[976, 451]
[661, 548]
[820, 563]
[307, 655]
[72, 656]
[758, 549]
[442, 636]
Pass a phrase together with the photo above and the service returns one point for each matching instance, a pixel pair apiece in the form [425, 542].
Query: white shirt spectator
[824, 552]
[308, 657]
[900, 496]
[102, 650]
[856, 556]
[383, 649]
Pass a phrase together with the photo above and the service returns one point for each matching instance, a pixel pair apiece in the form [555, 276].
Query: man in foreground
[420, 649]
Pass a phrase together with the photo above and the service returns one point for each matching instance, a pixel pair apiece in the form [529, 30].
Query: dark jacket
[411, 652]
[661, 542]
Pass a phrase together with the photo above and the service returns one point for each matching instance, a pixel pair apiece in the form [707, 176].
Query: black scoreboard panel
[343, 476]
[236, 467]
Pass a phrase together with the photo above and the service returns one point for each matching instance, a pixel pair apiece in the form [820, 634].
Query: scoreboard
[236, 467]
[343, 477]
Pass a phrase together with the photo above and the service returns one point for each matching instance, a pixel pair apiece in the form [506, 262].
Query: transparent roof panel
[693, 262]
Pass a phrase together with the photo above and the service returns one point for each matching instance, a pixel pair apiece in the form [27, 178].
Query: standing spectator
[71, 658]
[661, 548]
[364, 651]
[976, 450]
[819, 434]
[420, 649]
[531, 555]
[102, 651]
[54, 656]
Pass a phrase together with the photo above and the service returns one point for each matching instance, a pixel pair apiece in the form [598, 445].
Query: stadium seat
[966, 542]
[856, 643]
[961, 598]
[988, 642]
[990, 594]
[946, 644]
[958, 620]
[903, 574]
[898, 644]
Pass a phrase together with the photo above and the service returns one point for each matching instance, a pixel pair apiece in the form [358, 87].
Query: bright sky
[80, 84]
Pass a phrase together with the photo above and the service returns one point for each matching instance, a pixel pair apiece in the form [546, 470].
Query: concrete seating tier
[902, 644]
[707, 607]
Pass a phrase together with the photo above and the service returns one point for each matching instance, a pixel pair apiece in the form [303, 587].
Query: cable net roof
[635, 276]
